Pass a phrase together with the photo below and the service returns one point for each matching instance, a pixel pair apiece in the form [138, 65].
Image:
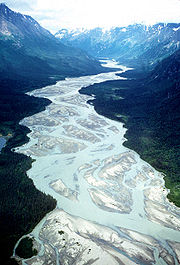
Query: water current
[108, 198]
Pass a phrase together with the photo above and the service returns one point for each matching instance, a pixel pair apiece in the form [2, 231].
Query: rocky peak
[14, 23]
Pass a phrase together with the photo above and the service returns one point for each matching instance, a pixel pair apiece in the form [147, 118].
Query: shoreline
[14, 170]
[108, 173]
[140, 137]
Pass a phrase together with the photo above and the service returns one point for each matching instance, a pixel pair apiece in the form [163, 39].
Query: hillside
[150, 110]
[30, 58]
[136, 45]
[27, 49]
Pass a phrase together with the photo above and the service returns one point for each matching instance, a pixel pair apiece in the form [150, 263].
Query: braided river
[112, 206]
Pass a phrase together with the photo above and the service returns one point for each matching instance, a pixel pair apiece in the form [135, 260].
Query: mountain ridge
[135, 45]
[22, 39]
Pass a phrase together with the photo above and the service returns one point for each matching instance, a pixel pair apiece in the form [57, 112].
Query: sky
[58, 14]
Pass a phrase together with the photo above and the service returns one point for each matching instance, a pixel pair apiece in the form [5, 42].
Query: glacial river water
[99, 185]
[2, 142]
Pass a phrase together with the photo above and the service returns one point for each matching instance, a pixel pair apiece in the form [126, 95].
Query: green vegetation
[30, 50]
[25, 248]
[150, 111]
[30, 57]
[22, 206]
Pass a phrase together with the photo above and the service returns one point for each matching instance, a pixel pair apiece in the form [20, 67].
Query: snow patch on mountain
[146, 43]
[176, 29]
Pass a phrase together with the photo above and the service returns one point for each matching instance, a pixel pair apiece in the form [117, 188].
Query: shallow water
[82, 163]
[2, 142]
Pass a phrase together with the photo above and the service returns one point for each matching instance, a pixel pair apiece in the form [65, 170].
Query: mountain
[28, 49]
[149, 106]
[29, 56]
[135, 45]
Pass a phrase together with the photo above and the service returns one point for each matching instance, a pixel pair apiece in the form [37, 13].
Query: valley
[90, 140]
[148, 103]
[138, 45]
[112, 207]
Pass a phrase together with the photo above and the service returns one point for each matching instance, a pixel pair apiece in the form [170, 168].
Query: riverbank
[81, 161]
[151, 117]
[22, 205]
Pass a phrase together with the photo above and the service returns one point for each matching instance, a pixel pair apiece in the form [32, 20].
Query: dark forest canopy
[22, 206]
[31, 57]
[150, 109]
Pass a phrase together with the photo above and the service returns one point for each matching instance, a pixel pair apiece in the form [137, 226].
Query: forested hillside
[27, 49]
[150, 109]
[22, 205]
[30, 58]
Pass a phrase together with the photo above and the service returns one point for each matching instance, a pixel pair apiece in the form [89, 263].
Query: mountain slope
[150, 108]
[135, 45]
[28, 49]
[29, 56]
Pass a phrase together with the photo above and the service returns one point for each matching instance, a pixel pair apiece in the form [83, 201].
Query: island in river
[112, 206]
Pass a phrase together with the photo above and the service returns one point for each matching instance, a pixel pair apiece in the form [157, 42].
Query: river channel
[112, 206]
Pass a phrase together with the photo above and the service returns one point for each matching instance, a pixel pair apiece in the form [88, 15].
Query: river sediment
[112, 207]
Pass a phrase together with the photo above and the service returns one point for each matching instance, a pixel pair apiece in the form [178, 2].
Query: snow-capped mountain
[27, 48]
[133, 45]
[13, 24]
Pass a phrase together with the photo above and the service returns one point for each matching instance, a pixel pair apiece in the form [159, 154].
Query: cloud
[56, 14]
[92, 13]
[21, 5]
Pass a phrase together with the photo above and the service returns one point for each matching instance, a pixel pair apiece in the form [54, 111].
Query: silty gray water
[82, 163]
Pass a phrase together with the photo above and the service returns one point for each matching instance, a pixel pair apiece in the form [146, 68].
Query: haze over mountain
[147, 102]
[27, 49]
[136, 45]
[92, 13]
